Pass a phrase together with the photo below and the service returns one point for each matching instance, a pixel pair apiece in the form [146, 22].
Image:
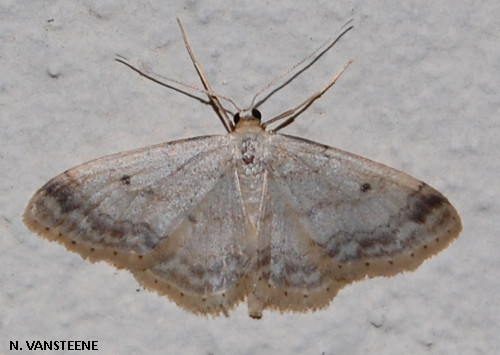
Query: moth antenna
[313, 56]
[218, 108]
[145, 72]
[151, 75]
[293, 113]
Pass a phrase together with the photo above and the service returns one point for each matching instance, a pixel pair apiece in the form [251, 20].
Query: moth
[280, 221]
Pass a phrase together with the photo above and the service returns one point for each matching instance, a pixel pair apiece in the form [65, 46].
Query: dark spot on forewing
[125, 179]
[423, 206]
[365, 187]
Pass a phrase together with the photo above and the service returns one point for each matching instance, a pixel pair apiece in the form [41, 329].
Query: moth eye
[256, 113]
[236, 118]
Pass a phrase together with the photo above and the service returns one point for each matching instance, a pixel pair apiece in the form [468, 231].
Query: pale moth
[277, 220]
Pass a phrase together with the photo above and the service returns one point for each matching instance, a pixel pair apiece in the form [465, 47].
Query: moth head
[247, 117]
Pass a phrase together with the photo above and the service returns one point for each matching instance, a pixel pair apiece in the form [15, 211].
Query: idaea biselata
[277, 220]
